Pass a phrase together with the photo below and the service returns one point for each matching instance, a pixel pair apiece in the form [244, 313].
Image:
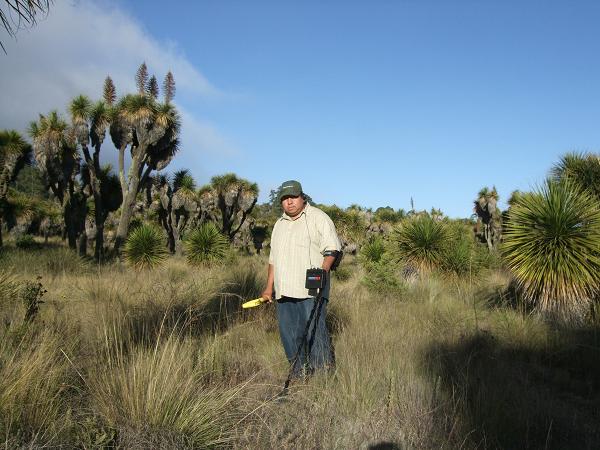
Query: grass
[165, 358]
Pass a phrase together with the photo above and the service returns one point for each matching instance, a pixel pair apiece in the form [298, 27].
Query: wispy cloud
[75, 48]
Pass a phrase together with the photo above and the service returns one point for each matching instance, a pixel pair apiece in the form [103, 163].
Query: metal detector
[315, 283]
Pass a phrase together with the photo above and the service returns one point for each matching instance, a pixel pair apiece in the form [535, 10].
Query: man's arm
[267, 294]
[327, 263]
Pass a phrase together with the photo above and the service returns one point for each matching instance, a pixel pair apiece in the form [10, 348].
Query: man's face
[292, 205]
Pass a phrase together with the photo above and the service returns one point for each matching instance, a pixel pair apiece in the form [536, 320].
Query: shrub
[372, 251]
[382, 276]
[552, 248]
[25, 241]
[145, 247]
[464, 256]
[205, 245]
[421, 242]
[342, 273]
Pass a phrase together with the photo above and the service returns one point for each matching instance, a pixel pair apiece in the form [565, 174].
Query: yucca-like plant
[582, 169]
[145, 247]
[421, 242]
[552, 248]
[464, 256]
[372, 251]
[205, 244]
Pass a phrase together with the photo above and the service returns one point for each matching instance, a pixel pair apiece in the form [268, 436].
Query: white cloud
[75, 48]
[202, 137]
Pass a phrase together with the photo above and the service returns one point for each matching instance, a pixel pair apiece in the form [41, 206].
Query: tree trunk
[125, 219]
[99, 244]
[93, 166]
[129, 195]
[70, 227]
[82, 244]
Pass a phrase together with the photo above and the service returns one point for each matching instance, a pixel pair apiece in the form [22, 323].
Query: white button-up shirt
[297, 245]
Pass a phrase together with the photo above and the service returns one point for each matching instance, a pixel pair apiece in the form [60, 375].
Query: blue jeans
[293, 315]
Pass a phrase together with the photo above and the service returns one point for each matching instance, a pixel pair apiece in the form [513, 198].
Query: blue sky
[369, 102]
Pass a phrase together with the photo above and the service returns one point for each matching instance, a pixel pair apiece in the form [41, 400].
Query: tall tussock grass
[35, 378]
[145, 392]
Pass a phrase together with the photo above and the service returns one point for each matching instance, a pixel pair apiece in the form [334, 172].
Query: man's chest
[293, 235]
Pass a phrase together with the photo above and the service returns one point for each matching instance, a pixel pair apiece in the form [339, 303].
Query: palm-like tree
[151, 132]
[90, 122]
[489, 217]
[14, 153]
[552, 247]
[54, 145]
[178, 205]
[228, 200]
[17, 14]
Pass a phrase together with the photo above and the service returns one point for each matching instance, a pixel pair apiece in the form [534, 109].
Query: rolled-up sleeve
[329, 237]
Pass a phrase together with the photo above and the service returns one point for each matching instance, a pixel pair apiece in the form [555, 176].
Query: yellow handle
[253, 303]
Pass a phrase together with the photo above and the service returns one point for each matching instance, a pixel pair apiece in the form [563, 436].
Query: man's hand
[267, 295]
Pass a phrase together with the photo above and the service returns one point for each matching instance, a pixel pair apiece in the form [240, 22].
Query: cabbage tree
[149, 130]
[177, 205]
[55, 151]
[90, 122]
[14, 153]
[489, 217]
[227, 200]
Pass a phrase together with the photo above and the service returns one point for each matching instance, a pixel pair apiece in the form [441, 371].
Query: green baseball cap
[290, 188]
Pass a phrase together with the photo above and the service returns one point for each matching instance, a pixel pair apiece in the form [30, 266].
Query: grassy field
[166, 358]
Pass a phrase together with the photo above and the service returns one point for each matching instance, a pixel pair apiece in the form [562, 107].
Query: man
[303, 237]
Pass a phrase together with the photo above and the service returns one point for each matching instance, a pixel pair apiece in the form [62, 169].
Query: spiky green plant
[372, 251]
[421, 242]
[582, 169]
[205, 244]
[552, 248]
[182, 179]
[145, 247]
[464, 257]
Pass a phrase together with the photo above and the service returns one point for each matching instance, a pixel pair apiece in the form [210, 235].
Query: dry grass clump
[35, 380]
[144, 392]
